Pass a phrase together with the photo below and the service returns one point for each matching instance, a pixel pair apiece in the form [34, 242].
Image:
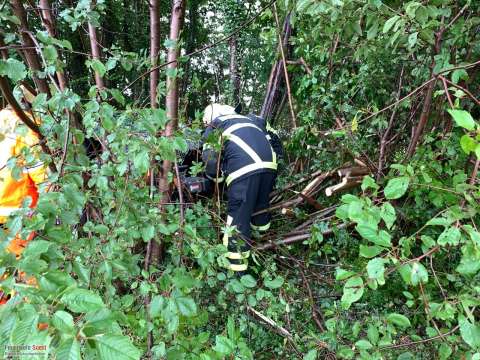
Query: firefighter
[18, 141]
[247, 164]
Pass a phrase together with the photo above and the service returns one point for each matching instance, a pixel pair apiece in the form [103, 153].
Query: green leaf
[156, 305]
[50, 53]
[470, 333]
[459, 74]
[341, 274]
[444, 351]
[468, 144]
[186, 306]
[412, 39]
[389, 23]
[224, 345]
[352, 291]
[387, 212]
[449, 236]
[97, 66]
[141, 161]
[367, 230]
[396, 187]
[248, 281]
[148, 232]
[399, 319]
[373, 334]
[418, 274]
[345, 353]
[63, 322]
[13, 69]
[82, 300]
[311, 355]
[37, 248]
[116, 347]
[69, 349]
[376, 270]
[363, 344]
[463, 119]
[370, 251]
[275, 283]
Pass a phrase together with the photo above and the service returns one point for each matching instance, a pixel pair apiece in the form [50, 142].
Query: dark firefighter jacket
[245, 148]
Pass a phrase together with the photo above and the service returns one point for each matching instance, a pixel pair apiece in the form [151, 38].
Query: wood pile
[343, 178]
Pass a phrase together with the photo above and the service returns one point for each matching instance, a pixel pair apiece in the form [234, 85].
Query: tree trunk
[171, 105]
[29, 46]
[154, 50]
[95, 50]
[234, 73]
[48, 22]
[276, 84]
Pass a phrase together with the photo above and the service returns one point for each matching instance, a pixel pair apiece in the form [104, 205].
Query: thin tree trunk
[27, 42]
[49, 23]
[284, 61]
[154, 50]
[234, 74]
[95, 50]
[274, 93]
[171, 105]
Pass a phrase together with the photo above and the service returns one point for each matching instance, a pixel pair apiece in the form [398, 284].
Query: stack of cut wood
[347, 176]
[350, 177]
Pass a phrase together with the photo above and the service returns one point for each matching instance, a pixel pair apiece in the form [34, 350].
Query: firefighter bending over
[248, 165]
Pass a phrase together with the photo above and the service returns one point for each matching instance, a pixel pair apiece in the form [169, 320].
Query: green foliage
[407, 265]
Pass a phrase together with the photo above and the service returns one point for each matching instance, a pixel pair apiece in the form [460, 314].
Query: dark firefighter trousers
[245, 197]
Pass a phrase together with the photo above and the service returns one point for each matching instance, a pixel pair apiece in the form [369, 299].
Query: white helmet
[213, 111]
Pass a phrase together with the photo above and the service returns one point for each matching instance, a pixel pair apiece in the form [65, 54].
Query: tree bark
[95, 50]
[29, 46]
[171, 105]
[234, 73]
[275, 88]
[49, 23]
[154, 50]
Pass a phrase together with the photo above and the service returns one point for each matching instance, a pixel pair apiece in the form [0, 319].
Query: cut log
[347, 183]
[353, 171]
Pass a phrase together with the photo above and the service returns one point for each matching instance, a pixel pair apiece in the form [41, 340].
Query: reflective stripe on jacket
[13, 191]
[245, 148]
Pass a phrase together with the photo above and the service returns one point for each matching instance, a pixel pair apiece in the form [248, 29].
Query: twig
[180, 193]
[447, 93]
[436, 279]
[462, 89]
[296, 238]
[420, 341]
[312, 302]
[284, 62]
[282, 331]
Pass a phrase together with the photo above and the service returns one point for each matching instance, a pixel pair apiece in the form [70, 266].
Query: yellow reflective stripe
[249, 168]
[261, 227]
[237, 267]
[269, 128]
[238, 255]
[245, 147]
[240, 126]
[225, 235]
